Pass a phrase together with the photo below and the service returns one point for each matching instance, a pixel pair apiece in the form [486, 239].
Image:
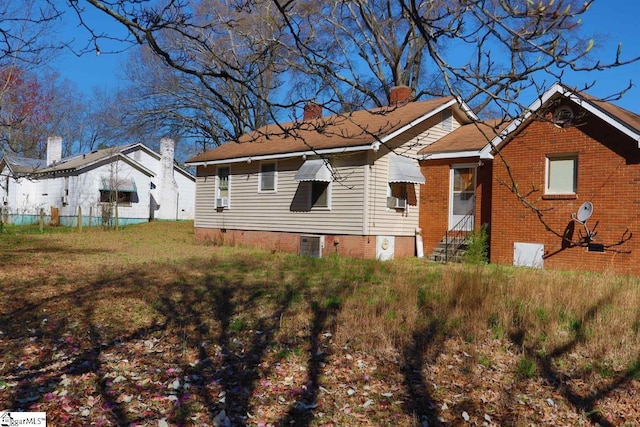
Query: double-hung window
[268, 177]
[562, 175]
[223, 190]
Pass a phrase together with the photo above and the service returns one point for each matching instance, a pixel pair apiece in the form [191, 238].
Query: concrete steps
[453, 253]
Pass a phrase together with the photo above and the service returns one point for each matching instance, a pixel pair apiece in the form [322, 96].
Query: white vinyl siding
[447, 120]
[288, 209]
[561, 175]
[357, 196]
[382, 220]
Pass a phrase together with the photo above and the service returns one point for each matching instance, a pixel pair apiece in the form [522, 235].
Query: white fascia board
[595, 110]
[158, 157]
[467, 110]
[497, 140]
[141, 146]
[573, 97]
[454, 155]
[118, 156]
[417, 121]
[366, 147]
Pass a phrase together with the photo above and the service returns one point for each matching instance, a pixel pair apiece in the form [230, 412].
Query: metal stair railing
[457, 236]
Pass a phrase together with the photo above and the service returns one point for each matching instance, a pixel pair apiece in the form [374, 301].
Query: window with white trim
[223, 187]
[320, 194]
[397, 195]
[562, 174]
[267, 181]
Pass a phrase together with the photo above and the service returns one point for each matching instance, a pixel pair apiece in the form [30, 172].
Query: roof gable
[21, 166]
[140, 146]
[354, 131]
[623, 120]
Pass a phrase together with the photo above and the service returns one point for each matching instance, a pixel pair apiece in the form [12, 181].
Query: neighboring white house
[146, 185]
[345, 184]
[16, 189]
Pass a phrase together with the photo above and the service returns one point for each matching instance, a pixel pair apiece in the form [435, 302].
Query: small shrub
[477, 247]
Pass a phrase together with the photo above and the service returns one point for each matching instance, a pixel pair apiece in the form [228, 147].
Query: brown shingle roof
[468, 137]
[331, 132]
[627, 117]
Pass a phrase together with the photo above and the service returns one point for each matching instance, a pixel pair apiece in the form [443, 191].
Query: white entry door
[462, 198]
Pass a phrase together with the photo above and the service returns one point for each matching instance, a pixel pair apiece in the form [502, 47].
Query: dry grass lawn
[143, 327]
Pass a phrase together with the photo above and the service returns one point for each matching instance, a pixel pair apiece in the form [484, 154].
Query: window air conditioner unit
[311, 246]
[222, 202]
[396, 203]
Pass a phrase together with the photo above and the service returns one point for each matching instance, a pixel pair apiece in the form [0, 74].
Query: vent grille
[311, 246]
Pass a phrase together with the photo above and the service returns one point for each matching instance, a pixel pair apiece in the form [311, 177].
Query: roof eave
[373, 146]
[456, 155]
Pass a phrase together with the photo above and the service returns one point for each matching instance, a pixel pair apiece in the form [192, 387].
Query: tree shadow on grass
[323, 321]
[425, 341]
[216, 334]
[18, 249]
[583, 402]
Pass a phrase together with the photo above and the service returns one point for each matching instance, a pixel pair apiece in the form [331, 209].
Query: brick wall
[434, 198]
[608, 176]
[342, 245]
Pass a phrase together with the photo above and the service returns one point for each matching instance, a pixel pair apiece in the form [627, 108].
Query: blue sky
[615, 20]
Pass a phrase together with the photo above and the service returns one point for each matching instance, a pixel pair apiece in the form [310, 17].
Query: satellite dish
[584, 212]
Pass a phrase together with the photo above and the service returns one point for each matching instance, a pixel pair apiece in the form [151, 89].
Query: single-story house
[575, 163]
[143, 184]
[345, 183]
[554, 188]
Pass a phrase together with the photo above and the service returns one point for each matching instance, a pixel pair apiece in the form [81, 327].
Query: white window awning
[314, 170]
[122, 185]
[404, 169]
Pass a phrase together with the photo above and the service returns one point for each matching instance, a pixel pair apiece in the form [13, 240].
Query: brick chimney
[167, 189]
[399, 95]
[54, 150]
[312, 111]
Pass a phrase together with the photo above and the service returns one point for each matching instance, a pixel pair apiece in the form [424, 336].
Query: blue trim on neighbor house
[70, 221]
